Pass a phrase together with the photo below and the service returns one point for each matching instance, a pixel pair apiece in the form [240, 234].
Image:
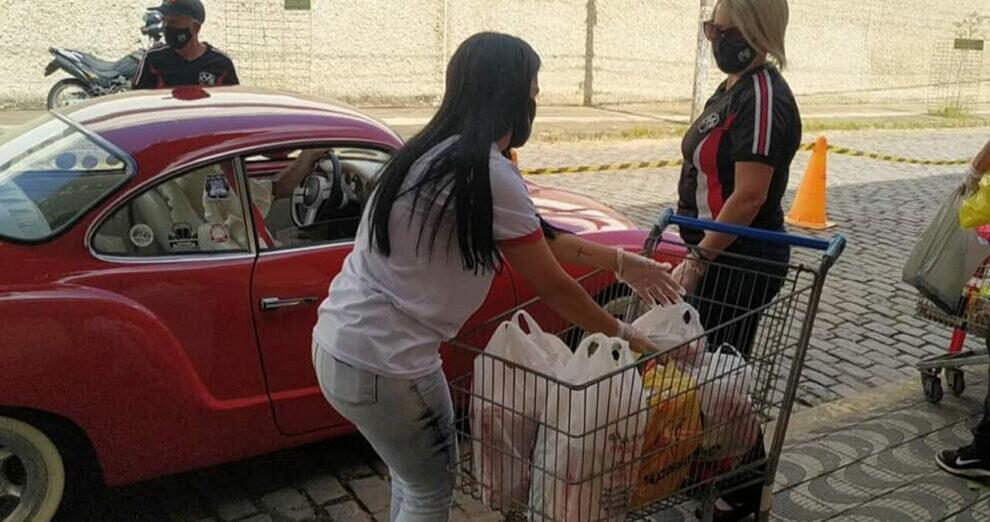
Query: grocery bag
[945, 257]
[585, 463]
[975, 210]
[509, 394]
[725, 383]
[672, 435]
[676, 327]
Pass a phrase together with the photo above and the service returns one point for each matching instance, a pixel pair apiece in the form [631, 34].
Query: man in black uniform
[184, 60]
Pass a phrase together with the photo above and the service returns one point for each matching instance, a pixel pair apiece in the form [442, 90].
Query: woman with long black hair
[448, 210]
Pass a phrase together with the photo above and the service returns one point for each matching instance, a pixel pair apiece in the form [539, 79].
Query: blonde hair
[763, 23]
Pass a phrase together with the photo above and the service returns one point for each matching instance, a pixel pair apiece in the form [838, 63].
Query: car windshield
[50, 175]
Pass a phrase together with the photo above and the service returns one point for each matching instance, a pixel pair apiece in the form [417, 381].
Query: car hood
[576, 213]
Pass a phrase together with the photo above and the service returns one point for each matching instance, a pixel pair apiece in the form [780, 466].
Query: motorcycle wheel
[67, 92]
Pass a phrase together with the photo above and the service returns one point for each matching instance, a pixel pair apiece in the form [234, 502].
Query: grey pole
[701, 62]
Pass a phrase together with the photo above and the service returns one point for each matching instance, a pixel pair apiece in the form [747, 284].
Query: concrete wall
[385, 52]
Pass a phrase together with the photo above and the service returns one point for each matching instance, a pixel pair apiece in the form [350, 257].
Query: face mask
[177, 38]
[524, 126]
[733, 56]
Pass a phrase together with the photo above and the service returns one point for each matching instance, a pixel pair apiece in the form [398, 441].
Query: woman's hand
[638, 342]
[689, 272]
[650, 279]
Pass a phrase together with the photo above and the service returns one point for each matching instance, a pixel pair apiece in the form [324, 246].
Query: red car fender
[69, 334]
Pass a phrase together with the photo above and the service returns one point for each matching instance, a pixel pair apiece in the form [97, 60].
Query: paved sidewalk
[871, 459]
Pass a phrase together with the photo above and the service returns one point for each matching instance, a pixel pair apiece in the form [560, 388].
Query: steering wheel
[323, 189]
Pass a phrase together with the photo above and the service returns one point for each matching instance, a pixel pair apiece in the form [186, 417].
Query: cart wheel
[932, 386]
[956, 380]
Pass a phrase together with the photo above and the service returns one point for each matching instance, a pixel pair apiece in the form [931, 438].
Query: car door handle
[269, 304]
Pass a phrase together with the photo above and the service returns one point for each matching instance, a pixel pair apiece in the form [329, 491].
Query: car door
[184, 254]
[292, 275]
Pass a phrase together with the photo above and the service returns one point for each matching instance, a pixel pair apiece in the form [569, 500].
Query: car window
[195, 213]
[318, 194]
[51, 174]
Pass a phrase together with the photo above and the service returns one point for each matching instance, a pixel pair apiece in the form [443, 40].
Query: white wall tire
[32, 473]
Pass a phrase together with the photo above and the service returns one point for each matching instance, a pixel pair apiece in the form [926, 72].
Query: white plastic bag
[588, 450]
[506, 407]
[725, 383]
[945, 257]
[676, 327]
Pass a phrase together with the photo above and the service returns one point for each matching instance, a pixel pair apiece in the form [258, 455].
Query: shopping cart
[972, 317]
[590, 462]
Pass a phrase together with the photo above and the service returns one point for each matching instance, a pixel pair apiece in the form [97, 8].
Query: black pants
[731, 288]
[734, 286]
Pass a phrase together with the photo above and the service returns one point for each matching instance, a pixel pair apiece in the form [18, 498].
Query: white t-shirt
[389, 315]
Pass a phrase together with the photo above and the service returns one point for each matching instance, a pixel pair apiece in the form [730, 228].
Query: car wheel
[67, 92]
[32, 473]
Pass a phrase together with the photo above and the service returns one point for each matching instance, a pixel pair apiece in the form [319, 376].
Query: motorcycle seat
[126, 66]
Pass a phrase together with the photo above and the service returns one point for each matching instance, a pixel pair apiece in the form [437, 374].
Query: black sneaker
[964, 462]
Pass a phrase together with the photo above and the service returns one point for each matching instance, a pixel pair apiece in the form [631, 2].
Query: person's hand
[648, 278]
[638, 342]
[309, 157]
[688, 273]
[972, 182]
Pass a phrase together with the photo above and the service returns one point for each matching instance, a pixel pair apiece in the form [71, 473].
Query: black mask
[523, 127]
[177, 38]
[733, 56]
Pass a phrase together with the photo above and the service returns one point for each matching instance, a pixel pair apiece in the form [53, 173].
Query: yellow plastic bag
[673, 434]
[975, 210]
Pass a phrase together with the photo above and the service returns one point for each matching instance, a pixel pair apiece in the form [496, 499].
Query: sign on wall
[297, 5]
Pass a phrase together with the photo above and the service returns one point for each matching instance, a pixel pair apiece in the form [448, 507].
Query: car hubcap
[70, 96]
[21, 483]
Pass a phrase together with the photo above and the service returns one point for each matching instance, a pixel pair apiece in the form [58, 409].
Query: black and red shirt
[163, 68]
[756, 120]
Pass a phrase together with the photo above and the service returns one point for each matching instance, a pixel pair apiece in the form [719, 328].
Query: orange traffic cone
[810, 208]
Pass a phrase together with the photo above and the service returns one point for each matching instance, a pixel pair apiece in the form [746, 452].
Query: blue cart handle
[833, 248]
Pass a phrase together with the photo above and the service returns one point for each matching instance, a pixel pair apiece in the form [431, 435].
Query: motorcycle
[92, 76]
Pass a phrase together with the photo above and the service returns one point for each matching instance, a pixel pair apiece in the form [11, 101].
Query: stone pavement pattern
[867, 334]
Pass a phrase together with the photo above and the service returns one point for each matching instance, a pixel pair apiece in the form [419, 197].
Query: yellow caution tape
[603, 168]
[884, 157]
[644, 165]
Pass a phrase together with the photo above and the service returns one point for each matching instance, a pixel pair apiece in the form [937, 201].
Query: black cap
[192, 8]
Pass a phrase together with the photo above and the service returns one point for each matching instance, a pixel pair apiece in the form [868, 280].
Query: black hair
[487, 96]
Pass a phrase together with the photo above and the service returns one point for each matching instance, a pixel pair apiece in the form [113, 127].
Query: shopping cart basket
[972, 317]
[578, 455]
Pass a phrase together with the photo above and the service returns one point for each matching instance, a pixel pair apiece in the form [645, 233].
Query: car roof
[193, 122]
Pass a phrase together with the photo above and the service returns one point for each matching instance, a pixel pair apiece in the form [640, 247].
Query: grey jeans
[409, 423]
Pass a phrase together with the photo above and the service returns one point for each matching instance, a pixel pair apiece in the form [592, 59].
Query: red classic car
[158, 287]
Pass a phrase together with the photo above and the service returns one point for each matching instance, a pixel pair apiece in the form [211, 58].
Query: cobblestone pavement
[867, 334]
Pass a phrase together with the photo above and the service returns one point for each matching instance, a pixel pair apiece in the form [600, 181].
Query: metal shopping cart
[972, 317]
[581, 453]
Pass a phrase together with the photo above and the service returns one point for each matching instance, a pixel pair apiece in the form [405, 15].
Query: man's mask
[177, 38]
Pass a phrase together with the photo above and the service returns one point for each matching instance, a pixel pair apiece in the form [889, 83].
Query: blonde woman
[737, 161]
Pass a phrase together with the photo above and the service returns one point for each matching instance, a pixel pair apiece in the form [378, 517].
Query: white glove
[648, 278]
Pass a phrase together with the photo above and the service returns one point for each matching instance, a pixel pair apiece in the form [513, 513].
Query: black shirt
[757, 120]
[163, 68]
